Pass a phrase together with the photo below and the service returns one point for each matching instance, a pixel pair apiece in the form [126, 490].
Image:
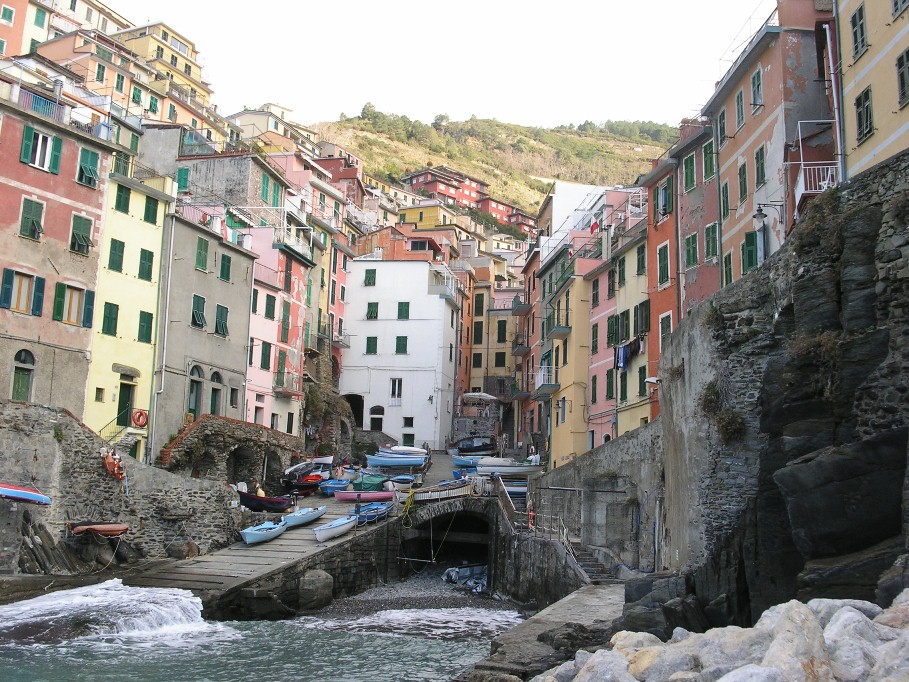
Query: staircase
[121, 438]
[596, 572]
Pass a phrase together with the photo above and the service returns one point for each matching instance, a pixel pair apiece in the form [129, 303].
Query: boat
[18, 493]
[401, 482]
[372, 512]
[365, 495]
[445, 490]
[333, 485]
[391, 459]
[333, 529]
[466, 461]
[369, 482]
[263, 532]
[477, 446]
[404, 450]
[303, 485]
[303, 516]
[108, 530]
[507, 467]
[265, 504]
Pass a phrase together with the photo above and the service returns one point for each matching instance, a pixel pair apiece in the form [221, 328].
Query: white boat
[263, 532]
[404, 450]
[507, 467]
[445, 490]
[333, 529]
[303, 516]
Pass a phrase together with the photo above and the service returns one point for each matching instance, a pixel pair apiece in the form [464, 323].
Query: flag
[594, 226]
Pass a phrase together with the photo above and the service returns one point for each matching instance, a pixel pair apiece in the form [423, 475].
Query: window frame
[743, 182]
[721, 127]
[197, 316]
[705, 155]
[664, 335]
[146, 327]
[224, 268]
[864, 115]
[400, 345]
[88, 168]
[739, 110]
[372, 310]
[859, 31]
[724, 200]
[221, 314]
[760, 167]
[691, 250]
[121, 199]
[110, 319]
[372, 345]
[30, 225]
[757, 90]
[663, 264]
[80, 239]
[902, 75]
[146, 265]
[711, 254]
[689, 175]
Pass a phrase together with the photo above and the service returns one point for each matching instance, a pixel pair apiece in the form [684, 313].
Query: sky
[530, 63]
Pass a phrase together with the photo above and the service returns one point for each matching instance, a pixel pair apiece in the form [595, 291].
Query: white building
[399, 372]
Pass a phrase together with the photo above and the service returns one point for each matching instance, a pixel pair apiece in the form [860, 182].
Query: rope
[406, 521]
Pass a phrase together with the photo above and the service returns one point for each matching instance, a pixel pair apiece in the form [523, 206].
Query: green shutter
[109, 320]
[6, 290]
[265, 360]
[28, 140]
[59, 301]
[88, 309]
[372, 345]
[663, 258]
[642, 380]
[264, 193]
[145, 327]
[115, 259]
[594, 338]
[198, 314]
[610, 384]
[285, 322]
[282, 363]
[623, 386]
[225, 267]
[749, 252]
[146, 260]
[38, 297]
[275, 194]
[269, 306]
[401, 345]
[151, 210]
[221, 320]
[621, 269]
[372, 310]
[370, 278]
[182, 178]
[403, 310]
[56, 151]
[255, 299]
[202, 254]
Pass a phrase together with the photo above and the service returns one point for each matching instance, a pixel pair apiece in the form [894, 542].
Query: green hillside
[518, 162]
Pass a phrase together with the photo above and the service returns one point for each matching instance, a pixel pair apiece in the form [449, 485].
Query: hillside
[518, 162]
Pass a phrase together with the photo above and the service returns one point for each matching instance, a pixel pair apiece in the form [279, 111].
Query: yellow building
[121, 377]
[874, 58]
[429, 214]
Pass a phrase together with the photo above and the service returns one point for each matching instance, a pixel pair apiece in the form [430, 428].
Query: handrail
[110, 431]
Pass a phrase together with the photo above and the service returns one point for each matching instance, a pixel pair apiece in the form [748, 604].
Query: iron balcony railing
[520, 345]
[816, 177]
[288, 383]
[546, 376]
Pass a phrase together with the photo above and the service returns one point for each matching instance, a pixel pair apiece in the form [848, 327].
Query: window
[151, 210]
[665, 329]
[501, 331]
[593, 389]
[153, 105]
[202, 254]
[478, 332]
[235, 397]
[7, 14]
[757, 93]
[115, 257]
[401, 345]
[477, 360]
[899, 6]
[23, 372]
[159, 52]
[187, 69]
[641, 259]
[198, 314]
[145, 327]
[749, 252]
[397, 391]
[691, 250]
[88, 168]
[727, 269]
[623, 386]
[595, 292]
[595, 338]
[642, 317]
[289, 276]
[372, 345]
[759, 170]
[721, 127]
[173, 60]
[137, 95]
[40, 17]
[478, 301]
[621, 271]
[265, 185]
[642, 381]
[30, 224]
[709, 168]
[100, 72]
[73, 306]
[80, 237]
[711, 245]
[40, 150]
[610, 284]
[372, 310]
[109, 322]
[663, 264]
[610, 384]
[121, 201]
[743, 183]
[864, 123]
[225, 268]
[183, 179]
[739, 109]
[22, 293]
[408, 422]
[265, 356]
[902, 76]
[2, 47]
[662, 199]
[285, 322]
[221, 320]
[369, 279]
[500, 359]
[624, 325]
[270, 306]
[146, 261]
[859, 33]
[688, 173]
[171, 112]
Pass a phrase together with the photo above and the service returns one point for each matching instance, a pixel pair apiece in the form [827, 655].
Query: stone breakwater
[842, 640]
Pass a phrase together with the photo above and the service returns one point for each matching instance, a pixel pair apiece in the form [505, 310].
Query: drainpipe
[152, 394]
[719, 200]
[160, 390]
[835, 88]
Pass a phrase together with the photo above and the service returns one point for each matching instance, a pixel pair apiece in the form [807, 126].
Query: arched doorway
[23, 375]
[356, 408]
[215, 403]
[375, 417]
[195, 391]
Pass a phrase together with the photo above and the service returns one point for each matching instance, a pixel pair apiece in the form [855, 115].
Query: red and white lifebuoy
[140, 418]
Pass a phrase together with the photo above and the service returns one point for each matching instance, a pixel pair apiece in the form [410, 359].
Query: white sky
[534, 62]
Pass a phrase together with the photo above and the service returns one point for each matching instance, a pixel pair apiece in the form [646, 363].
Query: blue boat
[18, 493]
[391, 459]
[466, 461]
[303, 516]
[372, 512]
[268, 530]
[333, 529]
[333, 485]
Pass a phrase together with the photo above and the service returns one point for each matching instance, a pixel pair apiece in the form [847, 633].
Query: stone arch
[431, 540]
[376, 417]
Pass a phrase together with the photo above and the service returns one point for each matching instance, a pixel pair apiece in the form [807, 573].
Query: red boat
[109, 530]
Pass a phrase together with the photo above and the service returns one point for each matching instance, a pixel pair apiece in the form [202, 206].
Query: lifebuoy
[140, 418]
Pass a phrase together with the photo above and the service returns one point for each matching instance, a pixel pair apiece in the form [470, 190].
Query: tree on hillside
[440, 122]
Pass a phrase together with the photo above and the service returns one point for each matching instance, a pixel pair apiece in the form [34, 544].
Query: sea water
[113, 632]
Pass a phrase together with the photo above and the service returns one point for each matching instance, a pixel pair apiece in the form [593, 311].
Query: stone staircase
[596, 571]
[124, 443]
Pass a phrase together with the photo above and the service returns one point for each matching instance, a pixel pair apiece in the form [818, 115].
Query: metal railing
[288, 382]
[546, 375]
[112, 431]
[265, 275]
[42, 105]
[817, 177]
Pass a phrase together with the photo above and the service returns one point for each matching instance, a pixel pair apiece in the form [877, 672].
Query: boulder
[605, 666]
[182, 548]
[315, 590]
[754, 673]
[893, 581]
[797, 649]
[825, 609]
[892, 661]
[897, 614]
[853, 576]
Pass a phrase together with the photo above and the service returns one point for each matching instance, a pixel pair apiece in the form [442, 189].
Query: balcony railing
[519, 346]
[520, 304]
[286, 237]
[288, 383]
[42, 105]
[265, 275]
[520, 388]
[546, 380]
[557, 326]
[340, 339]
[815, 178]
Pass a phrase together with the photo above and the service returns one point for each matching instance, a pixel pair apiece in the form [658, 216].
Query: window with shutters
[146, 320]
[109, 321]
[624, 325]
[478, 301]
[221, 320]
[612, 326]
[760, 171]
[595, 292]
[80, 236]
[73, 306]
[621, 271]
[727, 269]
[610, 384]
[137, 95]
[401, 345]
[88, 168]
[146, 263]
[224, 273]
[749, 252]
[372, 310]
[22, 293]
[403, 310]
[369, 279]
[743, 183]
[115, 257]
[40, 150]
[151, 210]
[859, 32]
[711, 243]
[739, 109]
[501, 331]
[902, 76]
[899, 6]
[255, 301]
[121, 201]
[6, 15]
[499, 359]
[265, 187]
[757, 91]
[270, 302]
[721, 127]
[665, 329]
[724, 200]
[641, 259]
[688, 173]
[641, 320]
[709, 161]
[610, 284]
[331, 295]
[864, 119]
[477, 360]
[642, 381]
[593, 389]
[265, 356]
[100, 72]
[202, 254]
[153, 105]
[478, 332]
[198, 313]
[182, 178]
[30, 225]
[623, 387]
[285, 322]
[595, 338]
[372, 345]
[663, 264]
[691, 250]
[171, 112]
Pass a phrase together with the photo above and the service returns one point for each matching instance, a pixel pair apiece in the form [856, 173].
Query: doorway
[125, 403]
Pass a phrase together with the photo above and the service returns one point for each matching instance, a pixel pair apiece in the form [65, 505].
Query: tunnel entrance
[453, 539]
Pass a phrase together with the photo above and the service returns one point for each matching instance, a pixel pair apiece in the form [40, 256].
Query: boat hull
[334, 528]
[110, 530]
[365, 495]
[263, 532]
[372, 512]
[516, 470]
[19, 494]
[266, 504]
[303, 516]
[444, 491]
[332, 486]
[391, 460]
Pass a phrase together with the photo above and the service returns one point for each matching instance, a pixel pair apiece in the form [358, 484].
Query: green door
[22, 384]
[125, 405]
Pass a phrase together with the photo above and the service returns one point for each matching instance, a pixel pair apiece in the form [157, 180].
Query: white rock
[627, 642]
[798, 649]
[605, 666]
[581, 657]
[678, 634]
[892, 661]
[684, 676]
[669, 661]
[754, 673]
[902, 597]
[726, 648]
[825, 609]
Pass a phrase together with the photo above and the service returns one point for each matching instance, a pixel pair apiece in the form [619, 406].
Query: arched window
[23, 374]
[375, 417]
[215, 403]
[195, 390]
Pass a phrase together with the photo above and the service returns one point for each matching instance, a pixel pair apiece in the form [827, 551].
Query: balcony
[286, 237]
[814, 178]
[288, 384]
[444, 285]
[520, 305]
[265, 275]
[519, 346]
[340, 340]
[557, 326]
[520, 388]
[545, 382]
[500, 387]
